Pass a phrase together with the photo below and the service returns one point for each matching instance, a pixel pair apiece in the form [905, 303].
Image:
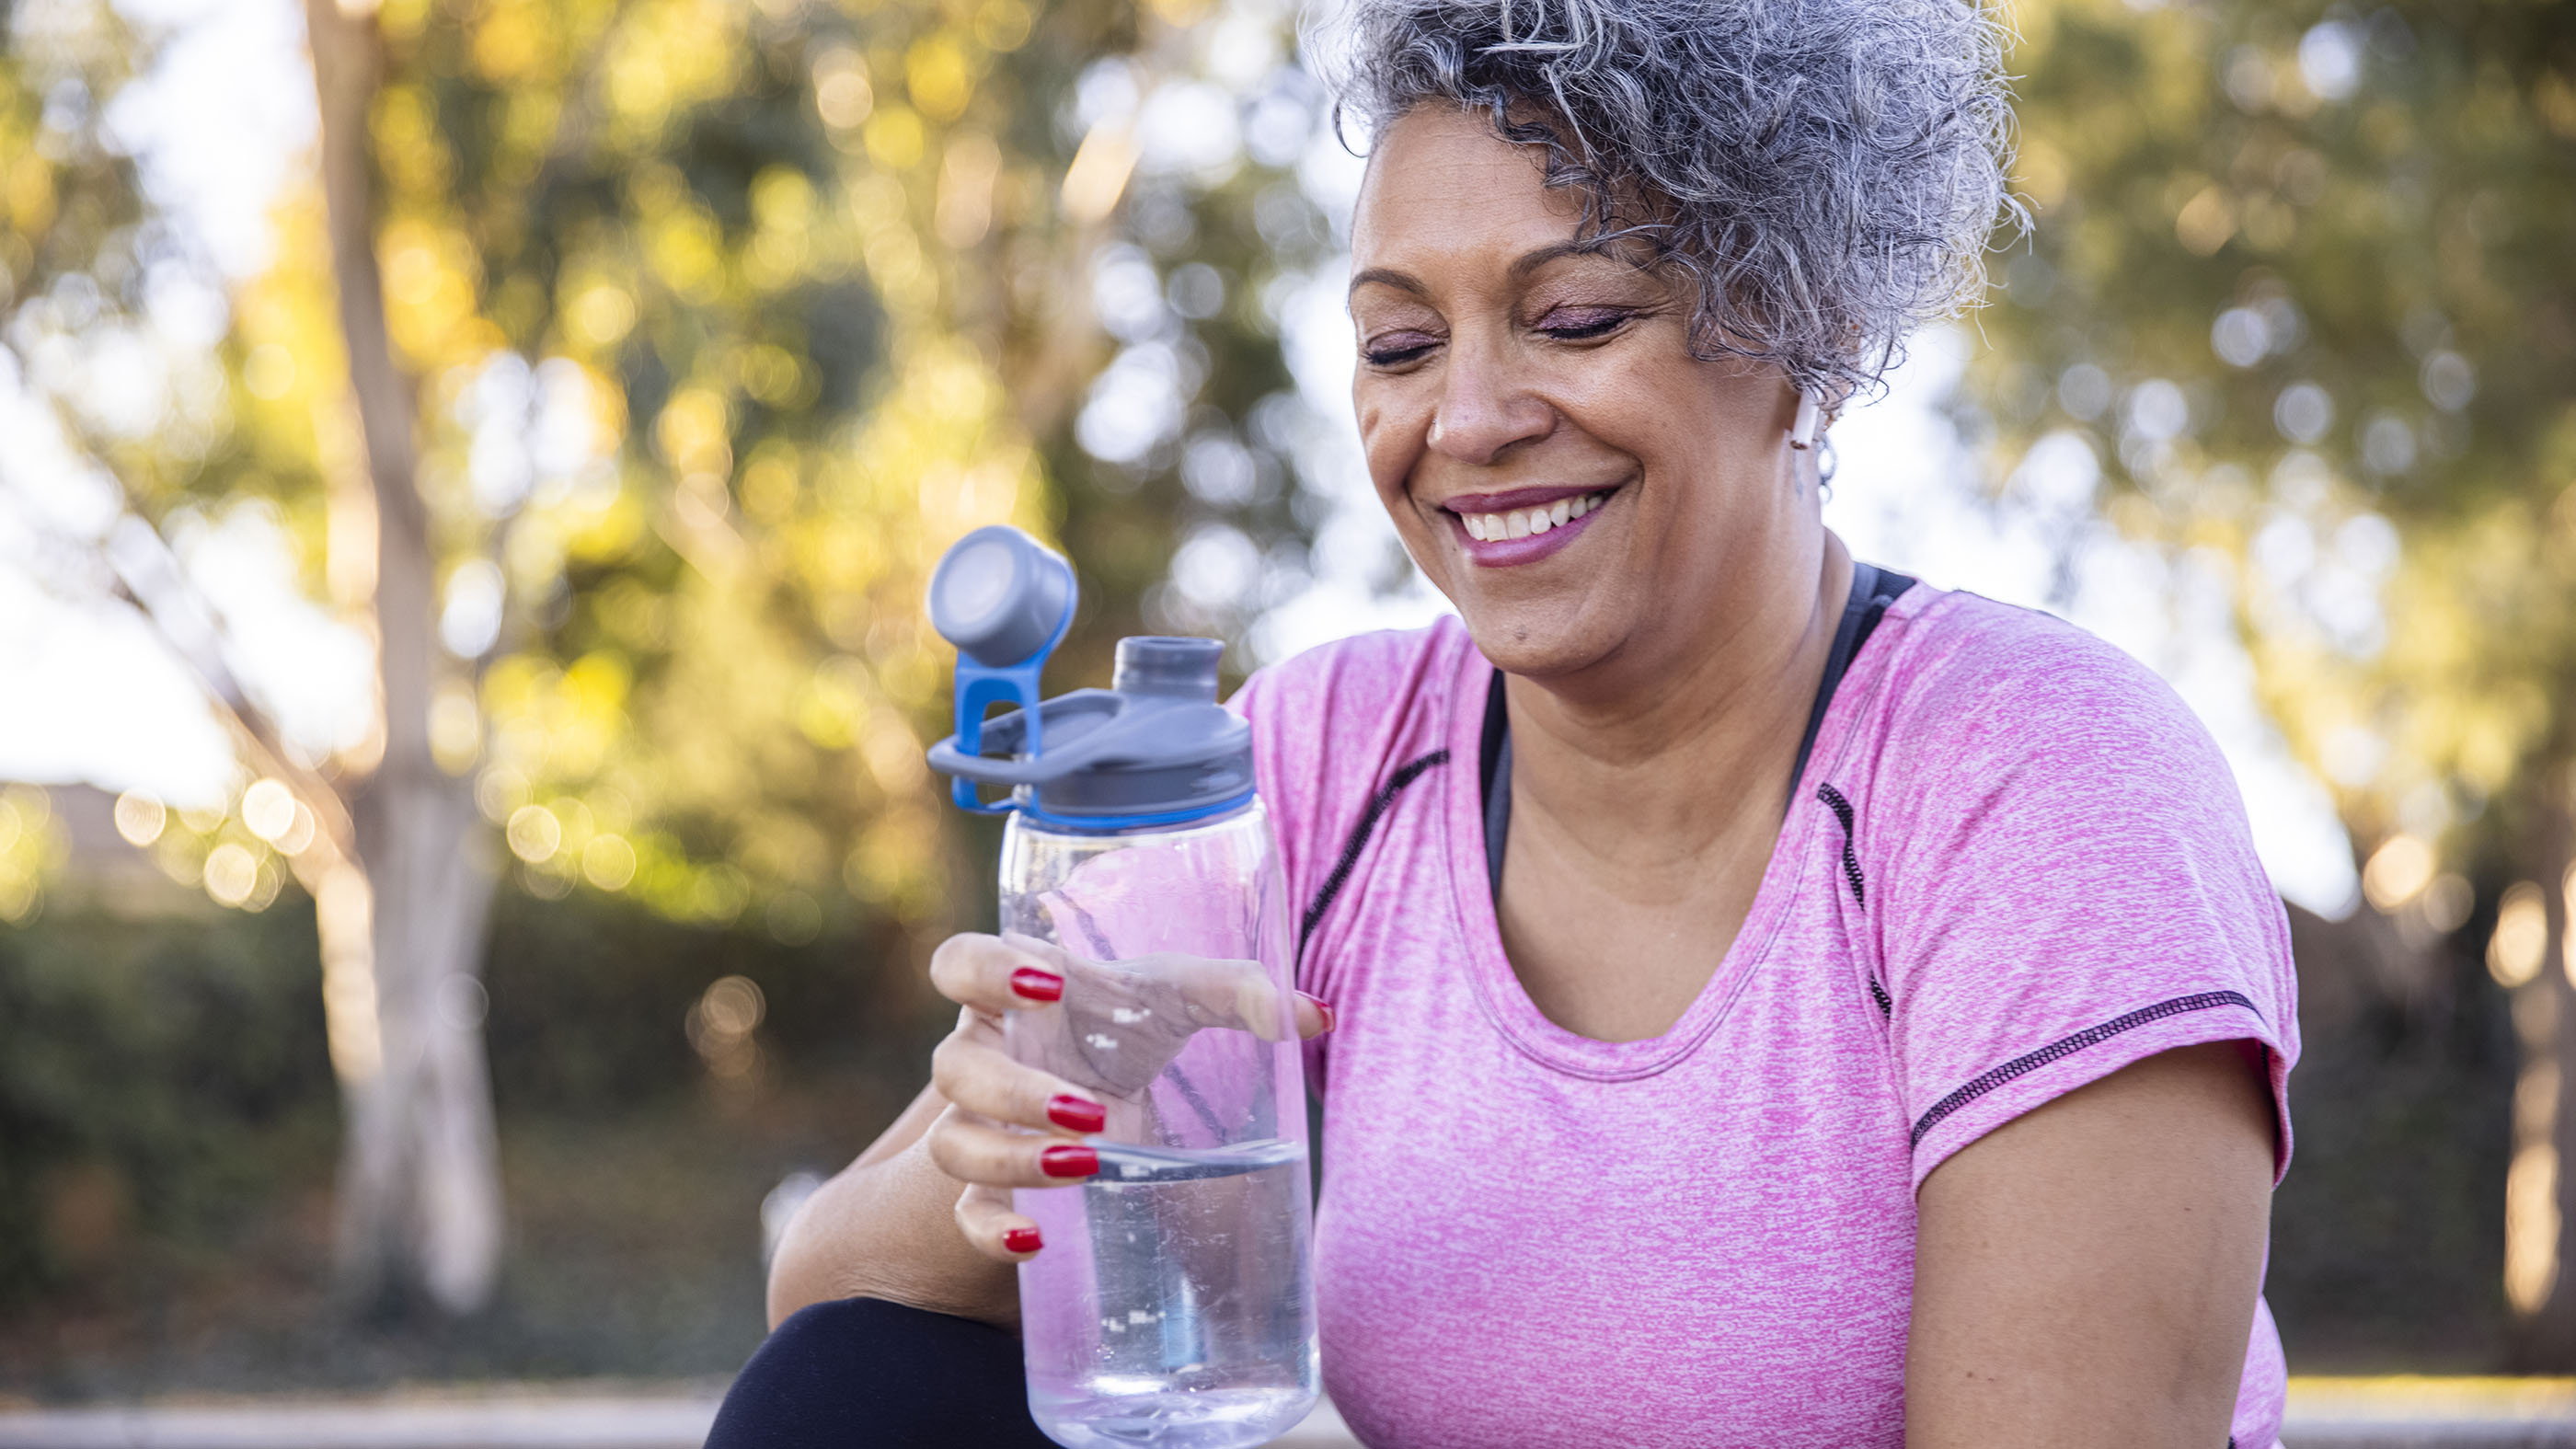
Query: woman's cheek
[1388, 448]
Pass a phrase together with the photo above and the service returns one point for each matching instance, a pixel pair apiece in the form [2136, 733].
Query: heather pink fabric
[1530, 1237]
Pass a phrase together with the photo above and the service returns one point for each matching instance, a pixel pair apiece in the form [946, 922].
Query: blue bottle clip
[1005, 600]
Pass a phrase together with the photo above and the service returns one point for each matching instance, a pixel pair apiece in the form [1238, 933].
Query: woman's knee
[864, 1372]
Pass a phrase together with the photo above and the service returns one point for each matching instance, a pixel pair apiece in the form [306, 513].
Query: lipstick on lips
[1522, 525]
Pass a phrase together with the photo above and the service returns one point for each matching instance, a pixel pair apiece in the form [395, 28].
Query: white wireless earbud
[1802, 434]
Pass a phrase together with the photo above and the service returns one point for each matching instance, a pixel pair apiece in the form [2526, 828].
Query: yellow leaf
[936, 73]
[894, 138]
[31, 193]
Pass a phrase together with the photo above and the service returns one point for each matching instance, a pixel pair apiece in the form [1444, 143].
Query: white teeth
[1522, 522]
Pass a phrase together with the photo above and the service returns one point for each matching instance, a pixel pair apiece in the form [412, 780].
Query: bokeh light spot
[140, 816]
[2397, 871]
[268, 808]
[231, 874]
[534, 833]
[608, 862]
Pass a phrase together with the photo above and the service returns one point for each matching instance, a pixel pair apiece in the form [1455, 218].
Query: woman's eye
[1396, 349]
[1574, 325]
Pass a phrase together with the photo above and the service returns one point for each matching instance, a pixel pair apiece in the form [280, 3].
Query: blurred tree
[621, 372]
[2301, 280]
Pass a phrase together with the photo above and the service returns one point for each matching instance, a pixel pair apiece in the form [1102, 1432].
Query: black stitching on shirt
[1405, 774]
[2069, 1046]
[1842, 809]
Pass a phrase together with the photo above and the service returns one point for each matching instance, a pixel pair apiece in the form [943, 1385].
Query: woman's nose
[1484, 409]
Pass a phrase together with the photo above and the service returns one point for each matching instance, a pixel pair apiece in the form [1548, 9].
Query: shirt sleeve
[1283, 758]
[1329, 728]
[2071, 887]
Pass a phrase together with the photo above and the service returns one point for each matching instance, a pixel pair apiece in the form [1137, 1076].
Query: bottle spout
[1183, 668]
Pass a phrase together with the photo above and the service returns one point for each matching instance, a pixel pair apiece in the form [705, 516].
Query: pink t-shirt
[2015, 864]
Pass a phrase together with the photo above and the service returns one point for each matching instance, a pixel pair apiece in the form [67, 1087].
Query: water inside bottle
[1176, 1316]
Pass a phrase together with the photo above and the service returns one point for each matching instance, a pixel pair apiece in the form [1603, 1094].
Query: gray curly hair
[1828, 173]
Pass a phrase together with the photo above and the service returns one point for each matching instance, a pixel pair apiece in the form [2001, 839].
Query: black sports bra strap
[1872, 590]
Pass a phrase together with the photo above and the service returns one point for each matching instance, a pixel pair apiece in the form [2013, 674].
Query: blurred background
[468, 470]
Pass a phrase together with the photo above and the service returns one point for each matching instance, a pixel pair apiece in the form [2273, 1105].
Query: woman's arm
[886, 1227]
[2086, 1273]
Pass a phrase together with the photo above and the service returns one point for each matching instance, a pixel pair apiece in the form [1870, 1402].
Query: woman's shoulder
[2060, 872]
[1990, 717]
[1984, 678]
[1333, 725]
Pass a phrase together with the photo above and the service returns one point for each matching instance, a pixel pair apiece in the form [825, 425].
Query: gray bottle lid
[1154, 749]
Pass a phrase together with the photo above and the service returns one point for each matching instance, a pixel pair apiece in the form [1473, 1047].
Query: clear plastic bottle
[1173, 1304]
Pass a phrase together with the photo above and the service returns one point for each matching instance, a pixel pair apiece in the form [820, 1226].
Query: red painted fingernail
[1037, 985]
[1323, 1006]
[1076, 1115]
[1067, 1160]
[1023, 1240]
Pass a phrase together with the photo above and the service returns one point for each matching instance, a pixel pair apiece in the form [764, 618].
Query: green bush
[163, 1077]
[150, 1071]
[590, 1000]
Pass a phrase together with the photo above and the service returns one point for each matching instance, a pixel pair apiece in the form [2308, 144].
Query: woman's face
[1506, 377]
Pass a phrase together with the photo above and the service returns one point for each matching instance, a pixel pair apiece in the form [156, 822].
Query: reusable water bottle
[1172, 1303]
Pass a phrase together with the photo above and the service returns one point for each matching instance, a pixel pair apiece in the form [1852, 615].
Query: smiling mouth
[1511, 523]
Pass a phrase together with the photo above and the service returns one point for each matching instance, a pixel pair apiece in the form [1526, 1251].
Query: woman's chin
[1539, 638]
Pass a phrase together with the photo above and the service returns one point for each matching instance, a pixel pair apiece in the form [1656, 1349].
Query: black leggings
[866, 1374]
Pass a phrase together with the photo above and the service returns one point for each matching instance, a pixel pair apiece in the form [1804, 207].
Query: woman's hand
[1097, 1034]
[923, 1216]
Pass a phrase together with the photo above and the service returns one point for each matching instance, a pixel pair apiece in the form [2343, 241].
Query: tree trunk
[420, 1199]
[2540, 1190]
[420, 1186]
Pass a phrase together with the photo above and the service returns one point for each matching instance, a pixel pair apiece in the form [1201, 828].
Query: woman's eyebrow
[1526, 263]
[1388, 277]
[1530, 261]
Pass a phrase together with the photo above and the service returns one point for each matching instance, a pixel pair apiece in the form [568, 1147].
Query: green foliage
[590, 998]
[67, 203]
[792, 290]
[817, 261]
[148, 1070]
[2300, 278]
[164, 1088]
[2388, 1233]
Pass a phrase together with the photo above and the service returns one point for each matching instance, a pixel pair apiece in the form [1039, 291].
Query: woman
[1772, 1001]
